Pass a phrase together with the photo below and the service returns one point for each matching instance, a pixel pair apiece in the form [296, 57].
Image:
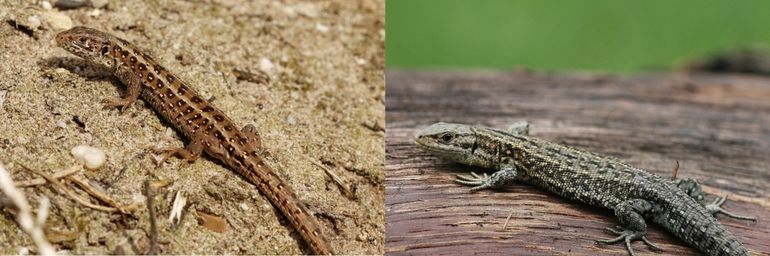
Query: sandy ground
[316, 94]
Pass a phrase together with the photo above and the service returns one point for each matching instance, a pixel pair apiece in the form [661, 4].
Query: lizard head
[84, 42]
[456, 142]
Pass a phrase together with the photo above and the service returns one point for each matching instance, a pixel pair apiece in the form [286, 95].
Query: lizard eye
[446, 137]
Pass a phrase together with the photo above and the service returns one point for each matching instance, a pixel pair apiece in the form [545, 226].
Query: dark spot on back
[219, 118]
[132, 59]
[170, 78]
[181, 103]
[183, 89]
[105, 49]
[142, 67]
[208, 109]
[228, 128]
[197, 99]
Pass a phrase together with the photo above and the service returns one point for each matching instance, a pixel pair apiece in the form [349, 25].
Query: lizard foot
[119, 103]
[628, 236]
[182, 153]
[499, 179]
[476, 181]
[716, 207]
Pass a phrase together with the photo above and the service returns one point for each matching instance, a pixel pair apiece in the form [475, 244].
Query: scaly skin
[600, 181]
[208, 129]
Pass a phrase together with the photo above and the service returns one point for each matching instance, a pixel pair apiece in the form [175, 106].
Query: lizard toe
[628, 236]
[716, 207]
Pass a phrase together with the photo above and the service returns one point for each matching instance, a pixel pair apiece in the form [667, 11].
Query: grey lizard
[635, 195]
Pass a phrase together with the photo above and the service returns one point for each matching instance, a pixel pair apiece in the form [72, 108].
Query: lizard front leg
[133, 89]
[692, 188]
[630, 214]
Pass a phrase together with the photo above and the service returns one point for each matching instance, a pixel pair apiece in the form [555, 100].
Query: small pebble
[33, 21]
[2, 97]
[61, 124]
[266, 65]
[212, 222]
[22, 140]
[46, 5]
[91, 157]
[99, 3]
[321, 27]
[95, 13]
[57, 20]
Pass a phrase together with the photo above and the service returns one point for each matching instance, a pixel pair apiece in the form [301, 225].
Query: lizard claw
[716, 207]
[497, 180]
[182, 153]
[628, 236]
[119, 103]
[478, 182]
[618, 230]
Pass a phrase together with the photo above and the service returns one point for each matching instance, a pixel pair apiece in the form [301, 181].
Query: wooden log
[716, 126]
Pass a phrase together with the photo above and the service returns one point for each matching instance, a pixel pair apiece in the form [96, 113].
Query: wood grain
[716, 126]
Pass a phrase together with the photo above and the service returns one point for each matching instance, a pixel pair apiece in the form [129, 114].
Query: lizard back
[605, 182]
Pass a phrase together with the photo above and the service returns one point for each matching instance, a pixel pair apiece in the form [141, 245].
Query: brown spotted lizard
[207, 128]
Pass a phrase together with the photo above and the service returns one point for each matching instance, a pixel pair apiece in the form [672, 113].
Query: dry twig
[100, 195]
[153, 226]
[176, 210]
[337, 179]
[57, 175]
[33, 226]
[508, 219]
[676, 171]
[68, 192]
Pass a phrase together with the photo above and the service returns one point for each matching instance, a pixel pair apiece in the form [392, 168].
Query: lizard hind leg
[191, 152]
[716, 207]
[692, 188]
[519, 128]
[498, 180]
[634, 227]
[252, 135]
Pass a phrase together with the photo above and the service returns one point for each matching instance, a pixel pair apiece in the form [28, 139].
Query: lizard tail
[689, 221]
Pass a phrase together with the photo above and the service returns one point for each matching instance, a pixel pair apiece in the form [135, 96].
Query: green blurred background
[605, 35]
